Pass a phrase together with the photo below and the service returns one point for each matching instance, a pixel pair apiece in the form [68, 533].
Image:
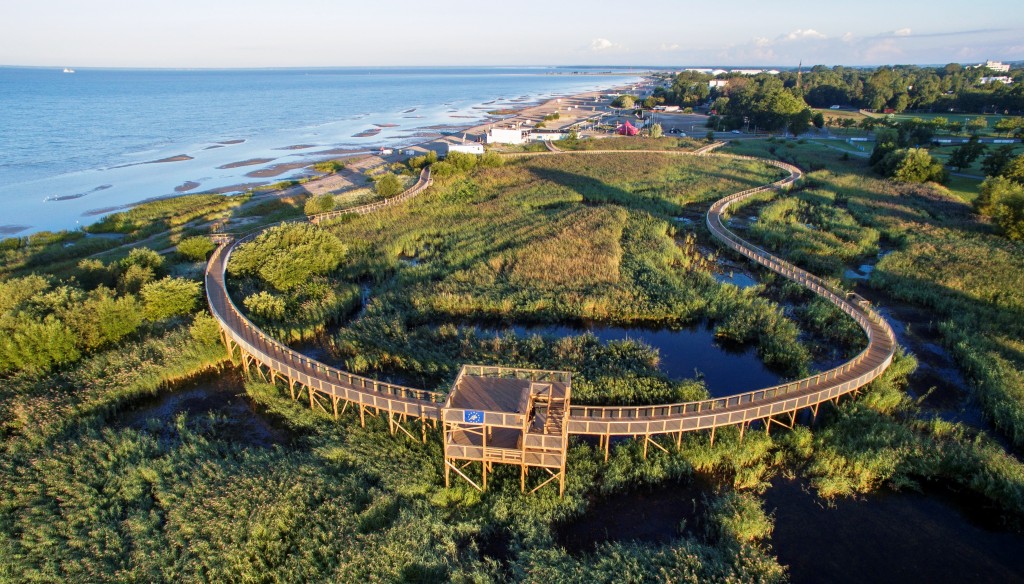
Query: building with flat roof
[507, 136]
[466, 148]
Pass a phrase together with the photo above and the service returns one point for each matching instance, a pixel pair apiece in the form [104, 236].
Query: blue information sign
[473, 417]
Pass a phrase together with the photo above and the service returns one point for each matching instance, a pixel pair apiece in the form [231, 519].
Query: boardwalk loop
[327, 387]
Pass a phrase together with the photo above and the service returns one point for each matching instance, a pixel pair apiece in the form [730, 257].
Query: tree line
[950, 88]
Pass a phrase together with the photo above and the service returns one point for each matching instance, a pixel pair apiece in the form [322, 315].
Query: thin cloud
[902, 32]
[801, 34]
[668, 47]
[599, 45]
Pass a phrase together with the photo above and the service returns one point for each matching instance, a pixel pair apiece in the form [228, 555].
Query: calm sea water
[74, 145]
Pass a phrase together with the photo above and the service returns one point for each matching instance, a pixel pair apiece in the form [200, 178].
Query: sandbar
[250, 162]
[367, 133]
[277, 169]
[178, 158]
[186, 186]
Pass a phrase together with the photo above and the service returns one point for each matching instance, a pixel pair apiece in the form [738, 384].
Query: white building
[718, 83]
[1005, 79]
[997, 66]
[507, 136]
[542, 135]
[466, 148]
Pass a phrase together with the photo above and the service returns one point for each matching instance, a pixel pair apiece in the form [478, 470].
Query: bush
[196, 248]
[102, 319]
[329, 166]
[170, 297]
[624, 101]
[418, 162]
[913, 165]
[319, 204]
[265, 306]
[144, 258]
[287, 256]
[1003, 200]
[655, 131]
[388, 185]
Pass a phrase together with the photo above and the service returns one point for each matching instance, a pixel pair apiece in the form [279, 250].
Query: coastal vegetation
[103, 485]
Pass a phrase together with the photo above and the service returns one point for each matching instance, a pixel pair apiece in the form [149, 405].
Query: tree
[288, 255]
[800, 122]
[1003, 201]
[170, 297]
[196, 248]
[1008, 125]
[624, 101]
[388, 185]
[103, 319]
[955, 127]
[997, 161]
[914, 165]
[977, 125]
[319, 204]
[655, 131]
[710, 136]
[966, 154]
[818, 120]
[1014, 170]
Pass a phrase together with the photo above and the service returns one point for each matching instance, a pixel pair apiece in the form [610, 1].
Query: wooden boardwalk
[334, 390]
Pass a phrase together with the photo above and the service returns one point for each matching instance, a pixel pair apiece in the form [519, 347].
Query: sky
[325, 33]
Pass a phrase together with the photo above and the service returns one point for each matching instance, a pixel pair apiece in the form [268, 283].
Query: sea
[76, 146]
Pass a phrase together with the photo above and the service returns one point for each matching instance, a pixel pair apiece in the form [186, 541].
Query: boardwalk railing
[422, 183]
[765, 403]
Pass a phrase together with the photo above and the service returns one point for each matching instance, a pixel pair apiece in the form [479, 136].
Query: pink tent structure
[628, 129]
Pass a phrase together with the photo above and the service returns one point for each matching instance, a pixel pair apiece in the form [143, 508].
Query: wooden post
[362, 416]
[713, 436]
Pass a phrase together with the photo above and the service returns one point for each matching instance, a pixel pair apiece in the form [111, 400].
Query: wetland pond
[934, 536]
[221, 394]
[684, 353]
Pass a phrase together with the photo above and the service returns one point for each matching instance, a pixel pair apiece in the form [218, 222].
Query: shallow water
[891, 537]
[685, 353]
[101, 138]
[222, 394]
[657, 514]
[904, 537]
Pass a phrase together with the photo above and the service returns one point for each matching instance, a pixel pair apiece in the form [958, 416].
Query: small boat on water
[68, 70]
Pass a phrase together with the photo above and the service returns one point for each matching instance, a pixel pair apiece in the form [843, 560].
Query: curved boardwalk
[335, 390]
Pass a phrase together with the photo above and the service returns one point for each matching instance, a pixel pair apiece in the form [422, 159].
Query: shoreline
[293, 159]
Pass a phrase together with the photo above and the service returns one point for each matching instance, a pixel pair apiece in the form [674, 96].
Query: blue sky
[265, 33]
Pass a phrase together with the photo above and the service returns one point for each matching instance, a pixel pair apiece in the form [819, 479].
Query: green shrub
[319, 204]
[196, 248]
[388, 185]
[287, 256]
[170, 297]
[329, 166]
